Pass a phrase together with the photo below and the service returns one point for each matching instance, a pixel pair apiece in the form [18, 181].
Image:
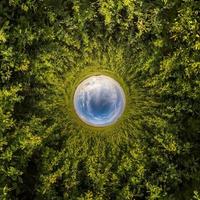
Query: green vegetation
[151, 47]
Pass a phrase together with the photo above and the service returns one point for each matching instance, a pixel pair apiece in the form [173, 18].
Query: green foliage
[151, 47]
[196, 195]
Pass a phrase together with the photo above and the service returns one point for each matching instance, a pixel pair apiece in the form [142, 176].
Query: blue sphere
[99, 101]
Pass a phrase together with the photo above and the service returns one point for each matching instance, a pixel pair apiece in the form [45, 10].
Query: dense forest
[152, 47]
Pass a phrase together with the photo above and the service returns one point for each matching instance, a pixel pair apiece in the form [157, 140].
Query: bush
[151, 47]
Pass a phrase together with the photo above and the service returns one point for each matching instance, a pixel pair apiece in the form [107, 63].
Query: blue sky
[99, 100]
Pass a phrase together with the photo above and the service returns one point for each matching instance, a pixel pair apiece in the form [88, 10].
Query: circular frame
[119, 111]
[72, 83]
